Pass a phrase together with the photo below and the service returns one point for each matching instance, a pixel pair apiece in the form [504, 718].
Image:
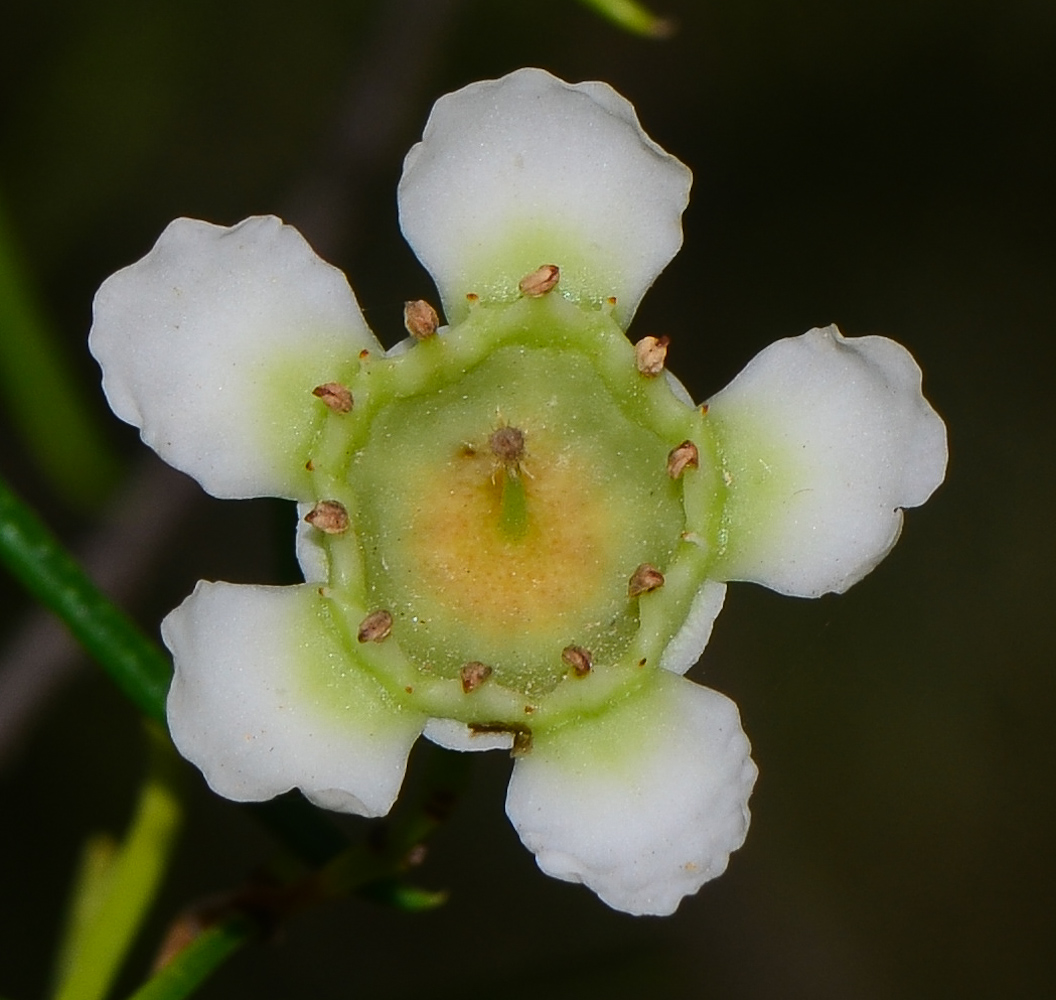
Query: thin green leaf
[633, 17]
[54, 577]
[403, 896]
[138, 666]
[372, 869]
[90, 887]
[61, 431]
[195, 963]
[100, 943]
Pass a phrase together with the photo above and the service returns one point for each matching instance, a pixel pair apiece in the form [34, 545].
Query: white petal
[825, 439]
[643, 804]
[685, 648]
[529, 170]
[453, 735]
[212, 344]
[265, 699]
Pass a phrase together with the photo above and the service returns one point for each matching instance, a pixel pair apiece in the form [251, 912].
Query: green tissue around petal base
[504, 481]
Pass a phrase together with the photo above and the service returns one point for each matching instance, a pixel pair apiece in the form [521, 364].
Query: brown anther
[644, 579]
[649, 354]
[507, 445]
[472, 298]
[310, 465]
[335, 395]
[540, 281]
[685, 456]
[420, 319]
[703, 409]
[375, 627]
[579, 659]
[364, 354]
[473, 674]
[328, 516]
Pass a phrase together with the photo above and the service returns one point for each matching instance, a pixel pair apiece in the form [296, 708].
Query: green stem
[90, 887]
[368, 869]
[100, 938]
[418, 813]
[192, 966]
[633, 17]
[55, 578]
[61, 431]
[138, 666]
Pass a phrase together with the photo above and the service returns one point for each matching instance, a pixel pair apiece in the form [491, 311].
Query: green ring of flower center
[486, 555]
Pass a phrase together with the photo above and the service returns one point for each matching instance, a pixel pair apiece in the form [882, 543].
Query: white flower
[518, 532]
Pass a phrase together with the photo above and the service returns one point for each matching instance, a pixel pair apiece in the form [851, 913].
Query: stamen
[375, 627]
[335, 396]
[644, 579]
[685, 456]
[328, 516]
[650, 353]
[579, 659]
[420, 319]
[473, 674]
[540, 281]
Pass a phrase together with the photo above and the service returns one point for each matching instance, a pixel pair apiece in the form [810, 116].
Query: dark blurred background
[888, 165]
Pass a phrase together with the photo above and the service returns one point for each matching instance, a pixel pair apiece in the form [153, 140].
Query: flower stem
[192, 966]
[372, 869]
[53, 576]
[138, 666]
[633, 17]
[115, 892]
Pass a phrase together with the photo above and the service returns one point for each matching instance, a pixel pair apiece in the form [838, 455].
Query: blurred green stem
[192, 966]
[114, 894]
[61, 432]
[138, 666]
[56, 579]
[632, 16]
[373, 869]
[142, 670]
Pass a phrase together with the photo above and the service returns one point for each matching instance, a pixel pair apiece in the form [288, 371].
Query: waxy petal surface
[265, 700]
[529, 170]
[642, 804]
[825, 439]
[212, 344]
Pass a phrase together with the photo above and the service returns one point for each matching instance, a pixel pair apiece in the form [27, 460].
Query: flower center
[507, 484]
[505, 545]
